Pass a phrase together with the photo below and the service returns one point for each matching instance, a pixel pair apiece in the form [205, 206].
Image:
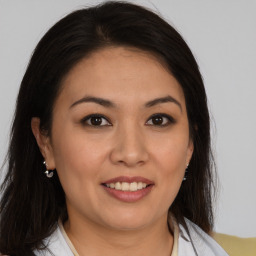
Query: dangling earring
[48, 173]
[186, 173]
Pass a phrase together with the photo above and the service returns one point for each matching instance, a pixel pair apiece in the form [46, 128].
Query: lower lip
[129, 196]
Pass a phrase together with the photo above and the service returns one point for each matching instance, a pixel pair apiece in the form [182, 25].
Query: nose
[129, 148]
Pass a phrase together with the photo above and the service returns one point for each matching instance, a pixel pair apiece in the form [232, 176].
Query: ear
[190, 151]
[43, 142]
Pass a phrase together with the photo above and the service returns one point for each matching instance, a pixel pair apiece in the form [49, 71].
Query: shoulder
[195, 240]
[56, 245]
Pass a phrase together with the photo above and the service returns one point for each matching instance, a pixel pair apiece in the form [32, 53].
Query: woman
[110, 146]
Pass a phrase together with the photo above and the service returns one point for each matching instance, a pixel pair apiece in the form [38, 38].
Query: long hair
[31, 204]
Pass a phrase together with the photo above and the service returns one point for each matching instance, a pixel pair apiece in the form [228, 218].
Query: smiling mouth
[127, 186]
[128, 189]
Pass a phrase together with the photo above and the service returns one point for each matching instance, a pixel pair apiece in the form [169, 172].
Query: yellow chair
[236, 246]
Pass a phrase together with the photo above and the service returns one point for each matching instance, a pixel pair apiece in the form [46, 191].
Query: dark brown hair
[31, 204]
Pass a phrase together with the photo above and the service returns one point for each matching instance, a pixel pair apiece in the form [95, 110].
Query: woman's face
[119, 124]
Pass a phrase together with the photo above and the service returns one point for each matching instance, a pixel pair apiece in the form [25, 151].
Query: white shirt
[196, 243]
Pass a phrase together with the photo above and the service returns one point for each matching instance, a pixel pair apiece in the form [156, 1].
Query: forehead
[121, 73]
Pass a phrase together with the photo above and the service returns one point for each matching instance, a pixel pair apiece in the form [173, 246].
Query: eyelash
[85, 120]
[170, 120]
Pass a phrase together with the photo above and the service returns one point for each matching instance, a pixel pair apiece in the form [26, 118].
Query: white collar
[195, 242]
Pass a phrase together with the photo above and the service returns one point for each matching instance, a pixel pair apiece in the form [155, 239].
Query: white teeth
[133, 186]
[125, 186]
[118, 186]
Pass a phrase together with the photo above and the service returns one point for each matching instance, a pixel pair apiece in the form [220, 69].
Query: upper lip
[129, 180]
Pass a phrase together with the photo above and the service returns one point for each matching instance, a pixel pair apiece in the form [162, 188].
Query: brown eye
[95, 120]
[157, 120]
[160, 120]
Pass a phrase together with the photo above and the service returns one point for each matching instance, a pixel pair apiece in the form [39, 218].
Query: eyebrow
[100, 101]
[163, 100]
[110, 104]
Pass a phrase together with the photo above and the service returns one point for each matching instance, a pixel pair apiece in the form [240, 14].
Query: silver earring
[186, 173]
[48, 173]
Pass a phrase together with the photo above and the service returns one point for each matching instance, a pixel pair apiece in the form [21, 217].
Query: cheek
[170, 159]
[74, 147]
[78, 165]
[77, 158]
[171, 151]
[172, 164]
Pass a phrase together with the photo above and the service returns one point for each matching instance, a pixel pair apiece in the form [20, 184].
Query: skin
[127, 143]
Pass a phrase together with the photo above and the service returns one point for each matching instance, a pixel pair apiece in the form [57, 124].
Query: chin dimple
[125, 186]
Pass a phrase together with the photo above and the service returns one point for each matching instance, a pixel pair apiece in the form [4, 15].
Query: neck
[92, 239]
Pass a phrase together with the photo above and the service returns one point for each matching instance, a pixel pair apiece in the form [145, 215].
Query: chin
[128, 221]
[127, 226]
